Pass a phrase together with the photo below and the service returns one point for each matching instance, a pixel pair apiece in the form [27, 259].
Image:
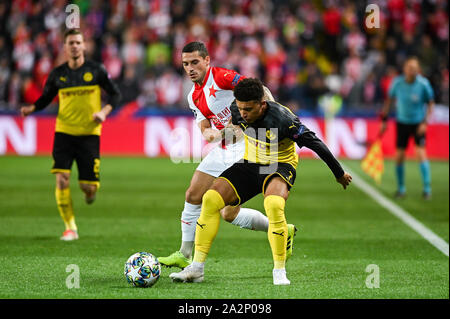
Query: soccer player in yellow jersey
[78, 124]
[269, 167]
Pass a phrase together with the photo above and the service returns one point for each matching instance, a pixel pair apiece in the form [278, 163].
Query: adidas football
[142, 269]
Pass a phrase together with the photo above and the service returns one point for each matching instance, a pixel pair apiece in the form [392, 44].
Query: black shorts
[85, 150]
[250, 179]
[405, 131]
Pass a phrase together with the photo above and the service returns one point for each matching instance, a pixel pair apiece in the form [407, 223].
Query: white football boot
[191, 273]
[279, 277]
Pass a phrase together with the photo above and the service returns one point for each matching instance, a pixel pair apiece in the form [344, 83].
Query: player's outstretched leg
[206, 231]
[183, 257]
[200, 183]
[246, 218]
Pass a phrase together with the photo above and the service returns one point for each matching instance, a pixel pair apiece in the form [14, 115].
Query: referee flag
[373, 163]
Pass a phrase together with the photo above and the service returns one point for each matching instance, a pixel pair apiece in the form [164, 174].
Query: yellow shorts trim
[235, 191]
[96, 183]
[267, 178]
[59, 170]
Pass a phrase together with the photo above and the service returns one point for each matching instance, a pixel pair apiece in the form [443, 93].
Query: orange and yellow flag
[373, 163]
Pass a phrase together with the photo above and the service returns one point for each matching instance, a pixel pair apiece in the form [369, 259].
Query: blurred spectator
[301, 49]
[110, 56]
[129, 86]
[132, 51]
[4, 79]
[169, 88]
[157, 56]
[147, 95]
[30, 90]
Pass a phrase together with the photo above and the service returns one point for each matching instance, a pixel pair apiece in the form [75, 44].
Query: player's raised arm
[305, 137]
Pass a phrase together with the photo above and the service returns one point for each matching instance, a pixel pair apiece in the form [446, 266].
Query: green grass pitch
[138, 208]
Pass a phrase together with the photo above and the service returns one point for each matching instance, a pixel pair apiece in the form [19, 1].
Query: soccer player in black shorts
[269, 167]
[78, 84]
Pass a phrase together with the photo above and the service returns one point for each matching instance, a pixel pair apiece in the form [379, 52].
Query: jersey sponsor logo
[77, 92]
[224, 115]
[87, 77]
[217, 123]
[62, 79]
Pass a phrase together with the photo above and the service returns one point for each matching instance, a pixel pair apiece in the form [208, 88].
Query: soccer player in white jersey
[210, 100]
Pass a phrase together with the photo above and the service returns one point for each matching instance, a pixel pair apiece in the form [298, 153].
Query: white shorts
[219, 159]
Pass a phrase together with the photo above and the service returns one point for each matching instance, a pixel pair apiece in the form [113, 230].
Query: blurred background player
[78, 124]
[210, 100]
[414, 101]
[268, 166]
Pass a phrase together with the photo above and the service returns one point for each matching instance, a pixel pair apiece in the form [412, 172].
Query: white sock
[251, 219]
[186, 248]
[189, 218]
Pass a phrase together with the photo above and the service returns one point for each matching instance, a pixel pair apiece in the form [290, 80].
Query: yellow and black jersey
[271, 139]
[79, 96]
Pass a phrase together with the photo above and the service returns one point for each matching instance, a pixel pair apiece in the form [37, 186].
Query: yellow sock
[277, 232]
[64, 203]
[207, 224]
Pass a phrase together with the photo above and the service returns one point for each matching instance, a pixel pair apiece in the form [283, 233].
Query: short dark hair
[196, 46]
[249, 89]
[71, 32]
[412, 58]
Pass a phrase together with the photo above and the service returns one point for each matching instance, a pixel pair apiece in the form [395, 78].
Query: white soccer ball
[142, 269]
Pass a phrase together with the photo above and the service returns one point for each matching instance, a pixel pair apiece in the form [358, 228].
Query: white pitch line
[399, 212]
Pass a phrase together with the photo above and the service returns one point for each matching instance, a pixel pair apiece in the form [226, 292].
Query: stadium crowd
[301, 49]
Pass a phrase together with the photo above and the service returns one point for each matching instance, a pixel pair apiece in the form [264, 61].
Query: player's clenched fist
[345, 180]
[27, 110]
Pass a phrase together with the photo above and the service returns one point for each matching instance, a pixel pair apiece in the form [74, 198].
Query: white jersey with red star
[213, 98]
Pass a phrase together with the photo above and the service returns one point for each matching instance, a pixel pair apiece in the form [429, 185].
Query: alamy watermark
[73, 279]
[372, 20]
[73, 19]
[373, 279]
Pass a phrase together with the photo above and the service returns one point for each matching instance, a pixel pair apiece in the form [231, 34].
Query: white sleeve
[197, 114]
